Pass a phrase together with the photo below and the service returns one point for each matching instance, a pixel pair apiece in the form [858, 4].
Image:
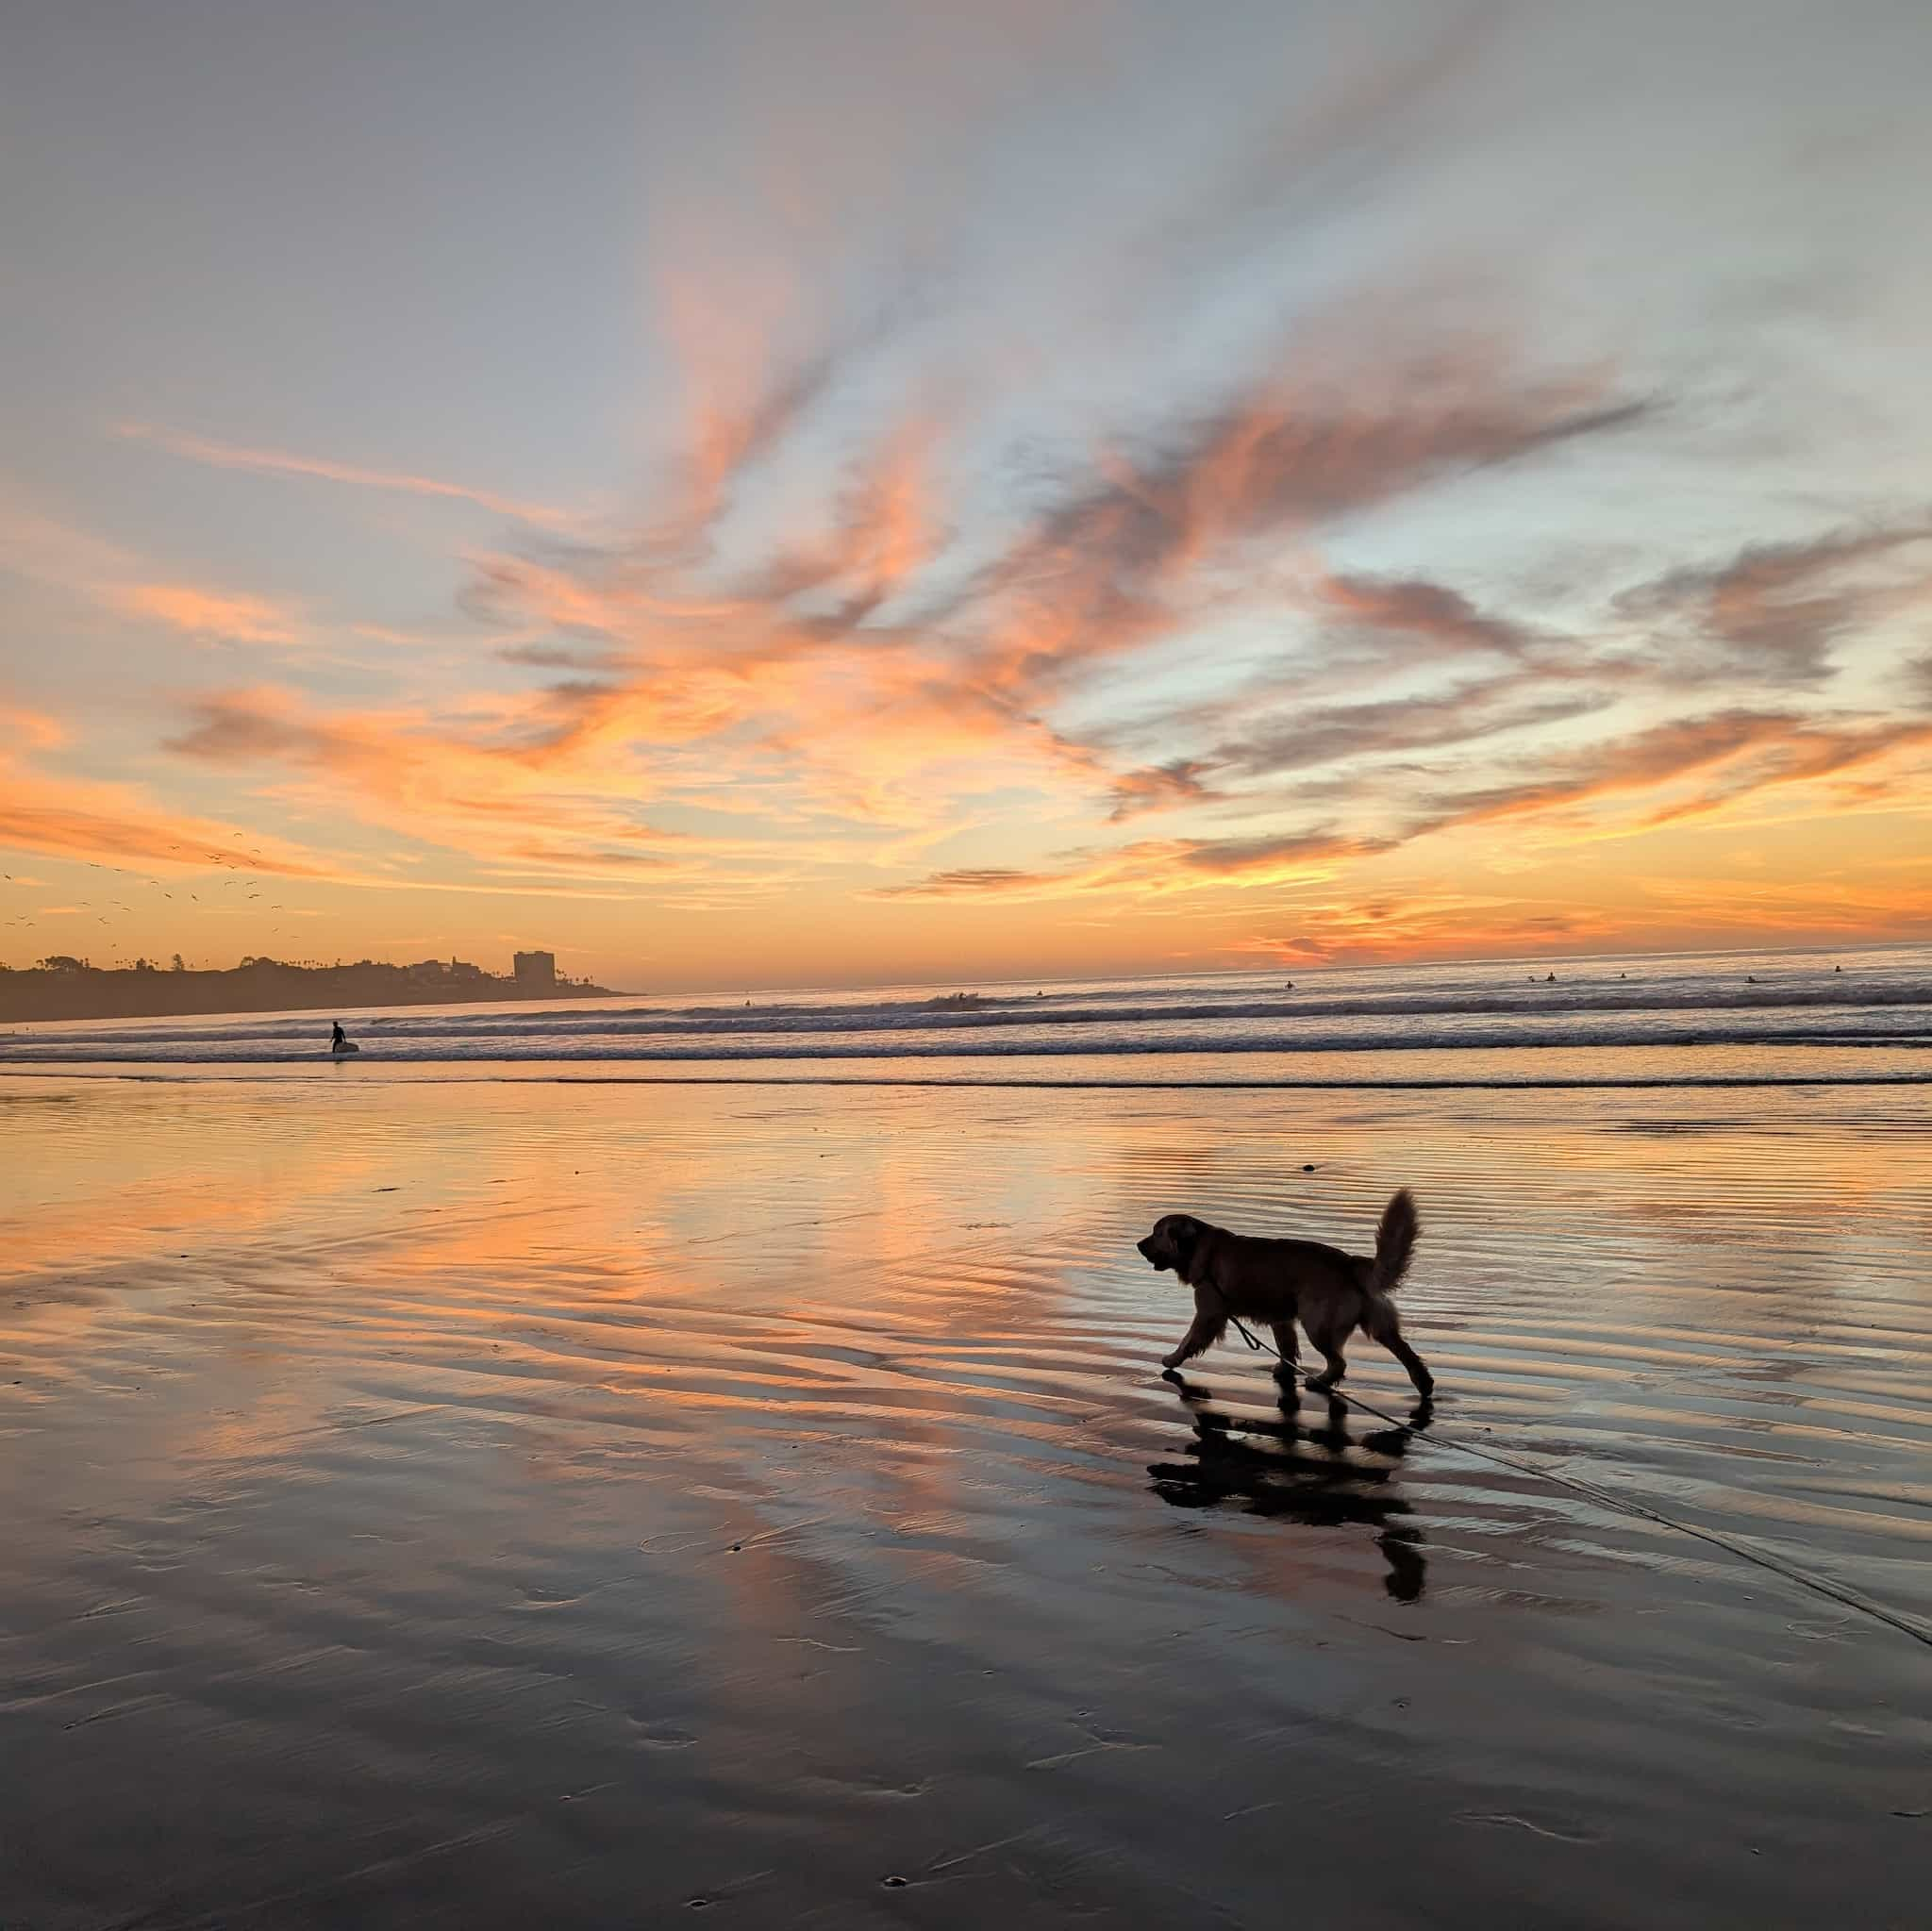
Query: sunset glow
[750, 496]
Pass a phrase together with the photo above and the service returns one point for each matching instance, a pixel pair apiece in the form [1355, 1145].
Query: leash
[1825, 1585]
[1260, 1347]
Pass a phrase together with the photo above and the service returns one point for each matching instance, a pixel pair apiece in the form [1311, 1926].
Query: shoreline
[189, 1071]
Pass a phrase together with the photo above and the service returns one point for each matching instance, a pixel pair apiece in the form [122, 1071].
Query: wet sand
[491, 1504]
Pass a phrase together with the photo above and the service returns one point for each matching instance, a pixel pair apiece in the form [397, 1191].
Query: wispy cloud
[1329, 734]
[1393, 925]
[1160, 786]
[282, 462]
[109, 577]
[33, 730]
[1776, 613]
[1152, 865]
[1421, 608]
[67, 818]
[865, 661]
[1727, 757]
[199, 612]
[1730, 754]
[858, 676]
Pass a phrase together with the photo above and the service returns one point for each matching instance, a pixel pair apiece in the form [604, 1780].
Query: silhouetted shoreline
[262, 985]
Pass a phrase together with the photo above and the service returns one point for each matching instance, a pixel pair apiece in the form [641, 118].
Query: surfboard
[346, 1047]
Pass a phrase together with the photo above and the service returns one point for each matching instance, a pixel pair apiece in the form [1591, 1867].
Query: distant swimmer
[1751, 979]
[1549, 978]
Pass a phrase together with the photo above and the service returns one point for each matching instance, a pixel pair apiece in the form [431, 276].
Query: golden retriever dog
[1331, 1293]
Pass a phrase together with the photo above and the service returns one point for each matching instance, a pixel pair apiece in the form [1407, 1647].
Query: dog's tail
[1394, 1243]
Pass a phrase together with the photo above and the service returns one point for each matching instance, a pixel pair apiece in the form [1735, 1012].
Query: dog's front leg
[1287, 1346]
[1209, 1325]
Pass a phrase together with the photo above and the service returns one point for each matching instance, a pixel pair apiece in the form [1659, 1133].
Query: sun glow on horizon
[880, 503]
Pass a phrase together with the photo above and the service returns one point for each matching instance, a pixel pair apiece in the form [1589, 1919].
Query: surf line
[1624, 1504]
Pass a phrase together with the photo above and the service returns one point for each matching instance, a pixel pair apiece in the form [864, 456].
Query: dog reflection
[1277, 1466]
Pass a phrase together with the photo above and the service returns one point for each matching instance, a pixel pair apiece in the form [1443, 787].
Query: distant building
[426, 970]
[536, 968]
[462, 969]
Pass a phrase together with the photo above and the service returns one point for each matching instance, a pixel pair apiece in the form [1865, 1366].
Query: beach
[504, 1501]
[721, 724]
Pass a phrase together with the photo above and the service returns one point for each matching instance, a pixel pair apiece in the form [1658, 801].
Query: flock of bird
[248, 865]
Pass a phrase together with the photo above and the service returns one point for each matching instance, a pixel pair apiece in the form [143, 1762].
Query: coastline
[30, 998]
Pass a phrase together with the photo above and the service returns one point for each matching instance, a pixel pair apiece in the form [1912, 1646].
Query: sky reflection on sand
[670, 1490]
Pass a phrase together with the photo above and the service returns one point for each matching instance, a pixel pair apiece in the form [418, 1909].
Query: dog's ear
[1186, 1236]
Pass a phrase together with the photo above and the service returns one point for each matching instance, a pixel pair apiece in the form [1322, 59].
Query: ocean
[1862, 1016]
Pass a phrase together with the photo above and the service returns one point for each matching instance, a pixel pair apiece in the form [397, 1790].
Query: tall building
[536, 968]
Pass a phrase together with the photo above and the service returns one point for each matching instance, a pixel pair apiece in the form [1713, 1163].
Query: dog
[1331, 1293]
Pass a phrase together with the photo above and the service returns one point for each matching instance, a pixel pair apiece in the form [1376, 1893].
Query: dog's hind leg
[1334, 1368]
[1207, 1329]
[1380, 1323]
[1328, 1341]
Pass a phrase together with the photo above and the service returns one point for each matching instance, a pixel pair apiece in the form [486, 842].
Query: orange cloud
[45, 551]
[529, 790]
[1157, 788]
[860, 673]
[1101, 572]
[204, 613]
[1755, 750]
[884, 719]
[1651, 910]
[1442, 924]
[33, 728]
[1153, 865]
[1751, 751]
[71, 819]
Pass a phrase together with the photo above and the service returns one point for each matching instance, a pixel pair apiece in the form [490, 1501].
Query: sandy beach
[500, 1504]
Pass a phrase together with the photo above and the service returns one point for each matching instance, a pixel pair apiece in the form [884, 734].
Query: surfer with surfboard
[338, 1042]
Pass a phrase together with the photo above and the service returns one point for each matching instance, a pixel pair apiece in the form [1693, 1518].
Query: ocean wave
[1006, 1012]
[1746, 1008]
[103, 1051]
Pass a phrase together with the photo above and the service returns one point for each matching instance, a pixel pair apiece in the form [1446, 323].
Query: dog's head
[1173, 1242]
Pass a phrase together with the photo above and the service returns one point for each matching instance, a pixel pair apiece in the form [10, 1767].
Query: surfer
[338, 1039]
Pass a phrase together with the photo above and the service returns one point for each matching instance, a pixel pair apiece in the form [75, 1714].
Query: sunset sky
[750, 495]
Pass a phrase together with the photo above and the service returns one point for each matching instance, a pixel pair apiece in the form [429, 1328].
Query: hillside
[62, 988]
